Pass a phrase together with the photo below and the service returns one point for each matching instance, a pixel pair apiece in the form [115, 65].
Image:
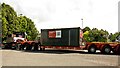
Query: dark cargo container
[60, 37]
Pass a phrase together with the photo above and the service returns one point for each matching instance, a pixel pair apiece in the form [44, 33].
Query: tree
[86, 36]
[0, 23]
[96, 35]
[113, 37]
[22, 23]
[31, 29]
[12, 23]
[8, 17]
[0, 11]
[86, 29]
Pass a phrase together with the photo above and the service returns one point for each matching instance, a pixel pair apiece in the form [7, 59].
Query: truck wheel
[92, 49]
[13, 47]
[22, 46]
[106, 49]
[18, 46]
[27, 46]
[2, 46]
[36, 47]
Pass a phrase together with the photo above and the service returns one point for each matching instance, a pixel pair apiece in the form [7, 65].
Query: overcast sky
[102, 14]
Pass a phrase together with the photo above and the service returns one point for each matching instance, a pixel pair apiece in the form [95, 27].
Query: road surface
[56, 58]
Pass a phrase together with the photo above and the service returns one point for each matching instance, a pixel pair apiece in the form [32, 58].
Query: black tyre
[22, 47]
[36, 46]
[117, 50]
[40, 49]
[13, 46]
[2, 46]
[28, 46]
[18, 46]
[43, 49]
[92, 49]
[106, 49]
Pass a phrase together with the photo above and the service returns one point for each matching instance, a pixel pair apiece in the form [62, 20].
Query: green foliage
[8, 17]
[0, 11]
[22, 23]
[0, 23]
[12, 23]
[86, 29]
[32, 32]
[86, 36]
[95, 35]
[113, 37]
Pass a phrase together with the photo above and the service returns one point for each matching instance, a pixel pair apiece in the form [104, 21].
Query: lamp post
[82, 22]
[81, 33]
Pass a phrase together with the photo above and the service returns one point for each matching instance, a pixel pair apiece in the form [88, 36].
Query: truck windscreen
[21, 35]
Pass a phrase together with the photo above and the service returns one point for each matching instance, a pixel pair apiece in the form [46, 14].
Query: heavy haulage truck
[67, 38]
[17, 41]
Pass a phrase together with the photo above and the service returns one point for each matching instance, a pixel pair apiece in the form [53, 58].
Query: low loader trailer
[70, 38]
[67, 38]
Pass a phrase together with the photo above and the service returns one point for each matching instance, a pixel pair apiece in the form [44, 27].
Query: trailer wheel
[42, 49]
[92, 49]
[106, 49]
[117, 50]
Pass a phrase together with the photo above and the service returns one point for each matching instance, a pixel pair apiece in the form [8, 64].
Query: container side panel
[74, 37]
[65, 37]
